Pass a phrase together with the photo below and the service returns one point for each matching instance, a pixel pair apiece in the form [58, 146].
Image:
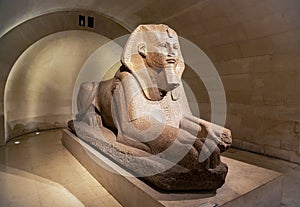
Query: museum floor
[39, 171]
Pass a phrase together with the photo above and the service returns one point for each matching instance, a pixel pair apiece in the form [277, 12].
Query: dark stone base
[246, 185]
[140, 163]
[190, 180]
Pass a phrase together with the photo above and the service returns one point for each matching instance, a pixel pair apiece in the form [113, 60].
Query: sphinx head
[153, 55]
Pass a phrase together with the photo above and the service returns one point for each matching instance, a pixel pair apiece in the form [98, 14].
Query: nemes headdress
[131, 58]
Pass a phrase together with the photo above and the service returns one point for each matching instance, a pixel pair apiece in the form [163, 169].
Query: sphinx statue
[141, 118]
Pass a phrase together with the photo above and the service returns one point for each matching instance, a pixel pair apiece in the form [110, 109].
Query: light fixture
[17, 142]
[37, 133]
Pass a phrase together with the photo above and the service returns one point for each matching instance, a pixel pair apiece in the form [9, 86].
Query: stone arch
[17, 40]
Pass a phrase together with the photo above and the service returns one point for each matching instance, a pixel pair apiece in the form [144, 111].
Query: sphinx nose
[171, 53]
[171, 86]
[174, 84]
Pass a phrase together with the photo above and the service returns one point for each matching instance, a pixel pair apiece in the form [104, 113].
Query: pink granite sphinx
[141, 118]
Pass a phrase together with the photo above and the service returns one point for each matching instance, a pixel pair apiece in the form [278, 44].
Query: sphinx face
[161, 55]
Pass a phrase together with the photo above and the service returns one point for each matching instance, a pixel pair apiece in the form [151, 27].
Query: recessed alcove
[39, 89]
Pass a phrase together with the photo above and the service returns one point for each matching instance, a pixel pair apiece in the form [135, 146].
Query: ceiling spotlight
[37, 133]
[17, 142]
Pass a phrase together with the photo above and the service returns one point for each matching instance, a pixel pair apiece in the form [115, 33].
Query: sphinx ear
[142, 49]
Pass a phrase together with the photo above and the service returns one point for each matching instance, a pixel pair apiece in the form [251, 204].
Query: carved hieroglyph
[141, 118]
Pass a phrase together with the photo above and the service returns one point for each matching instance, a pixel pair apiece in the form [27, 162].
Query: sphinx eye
[175, 46]
[163, 44]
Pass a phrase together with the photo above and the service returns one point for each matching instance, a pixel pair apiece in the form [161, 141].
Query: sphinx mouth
[171, 61]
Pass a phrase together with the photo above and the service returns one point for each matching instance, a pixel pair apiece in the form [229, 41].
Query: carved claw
[225, 140]
[94, 120]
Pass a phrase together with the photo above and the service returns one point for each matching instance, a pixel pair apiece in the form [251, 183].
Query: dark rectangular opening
[91, 22]
[81, 20]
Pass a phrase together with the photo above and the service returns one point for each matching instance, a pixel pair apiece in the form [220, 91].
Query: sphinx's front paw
[94, 120]
[225, 140]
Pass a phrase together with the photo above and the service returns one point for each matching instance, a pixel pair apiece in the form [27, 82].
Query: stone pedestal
[246, 185]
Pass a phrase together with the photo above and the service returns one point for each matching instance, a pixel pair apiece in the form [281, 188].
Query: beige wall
[254, 44]
[39, 89]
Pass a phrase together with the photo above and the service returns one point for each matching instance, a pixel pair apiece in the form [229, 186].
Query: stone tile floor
[41, 172]
[290, 171]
